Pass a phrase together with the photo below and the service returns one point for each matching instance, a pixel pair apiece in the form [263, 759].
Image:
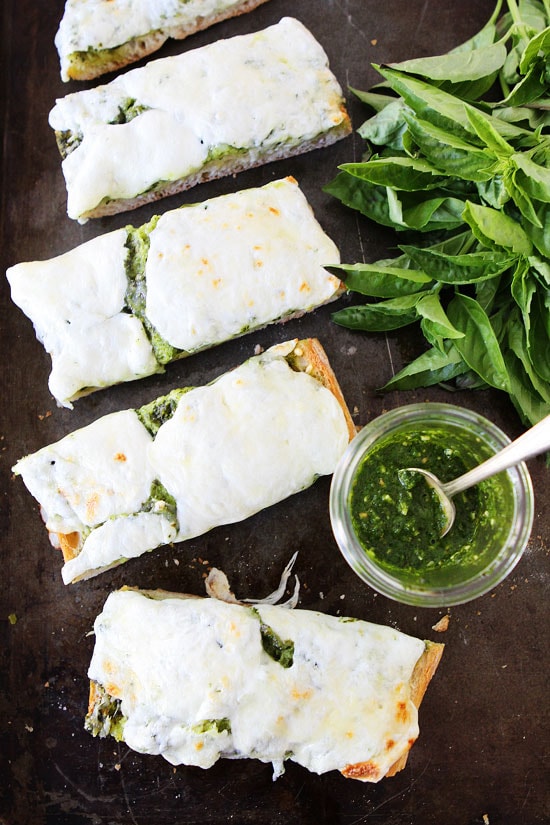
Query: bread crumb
[118, 766]
[442, 625]
[485, 819]
[374, 41]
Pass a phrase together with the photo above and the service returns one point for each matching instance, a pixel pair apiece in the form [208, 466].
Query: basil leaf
[538, 333]
[539, 43]
[494, 192]
[531, 177]
[494, 228]
[530, 406]
[424, 212]
[376, 100]
[379, 317]
[450, 153]
[486, 293]
[517, 342]
[479, 346]
[540, 235]
[521, 198]
[457, 66]
[429, 308]
[488, 133]
[383, 279]
[371, 201]
[445, 110]
[459, 269]
[523, 288]
[432, 367]
[529, 88]
[540, 270]
[397, 172]
[386, 127]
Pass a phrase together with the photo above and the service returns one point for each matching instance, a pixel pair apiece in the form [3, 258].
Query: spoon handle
[534, 441]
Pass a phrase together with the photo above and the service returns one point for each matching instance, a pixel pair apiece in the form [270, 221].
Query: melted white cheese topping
[177, 664]
[105, 24]
[258, 434]
[75, 302]
[251, 438]
[93, 474]
[251, 92]
[236, 263]
[214, 270]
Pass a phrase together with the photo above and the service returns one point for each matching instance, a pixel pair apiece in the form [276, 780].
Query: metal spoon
[534, 441]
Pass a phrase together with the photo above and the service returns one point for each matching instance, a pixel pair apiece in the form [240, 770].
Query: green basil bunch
[465, 178]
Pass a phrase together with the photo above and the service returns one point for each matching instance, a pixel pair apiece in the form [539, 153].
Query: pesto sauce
[105, 718]
[157, 412]
[138, 242]
[280, 650]
[128, 110]
[212, 726]
[398, 521]
[161, 503]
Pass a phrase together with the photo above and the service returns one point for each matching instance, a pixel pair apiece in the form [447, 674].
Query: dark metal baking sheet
[482, 756]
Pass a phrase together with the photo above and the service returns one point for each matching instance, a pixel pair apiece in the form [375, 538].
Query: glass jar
[500, 531]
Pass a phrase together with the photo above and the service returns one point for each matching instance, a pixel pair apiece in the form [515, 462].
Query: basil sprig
[467, 177]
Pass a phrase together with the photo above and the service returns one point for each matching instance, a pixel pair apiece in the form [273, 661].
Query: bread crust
[310, 355]
[422, 675]
[81, 68]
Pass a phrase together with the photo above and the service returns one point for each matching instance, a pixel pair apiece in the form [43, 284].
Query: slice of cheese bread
[192, 460]
[213, 111]
[99, 36]
[195, 679]
[124, 304]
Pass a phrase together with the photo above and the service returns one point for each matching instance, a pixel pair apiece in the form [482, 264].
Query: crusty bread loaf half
[308, 356]
[93, 62]
[351, 709]
[251, 258]
[213, 111]
[136, 479]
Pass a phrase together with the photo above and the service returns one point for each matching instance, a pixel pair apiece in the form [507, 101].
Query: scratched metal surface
[482, 754]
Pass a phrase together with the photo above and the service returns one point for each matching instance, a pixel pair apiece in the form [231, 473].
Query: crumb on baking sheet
[442, 625]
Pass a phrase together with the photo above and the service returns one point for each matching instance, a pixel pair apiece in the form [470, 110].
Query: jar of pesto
[389, 531]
